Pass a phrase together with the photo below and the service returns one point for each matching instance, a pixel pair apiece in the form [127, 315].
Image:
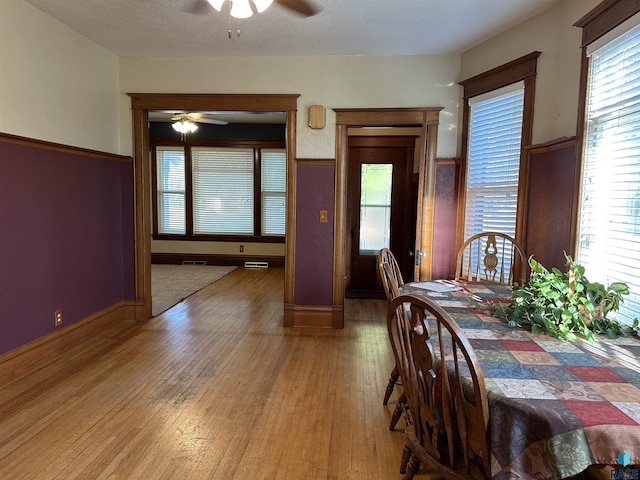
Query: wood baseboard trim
[137, 311]
[21, 360]
[313, 316]
[212, 259]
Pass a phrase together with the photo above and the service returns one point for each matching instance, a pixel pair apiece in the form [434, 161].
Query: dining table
[555, 406]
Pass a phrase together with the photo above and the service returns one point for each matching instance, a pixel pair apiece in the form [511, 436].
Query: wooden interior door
[381, 199]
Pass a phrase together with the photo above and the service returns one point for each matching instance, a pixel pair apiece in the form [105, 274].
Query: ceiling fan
[196, 117]
[301, 7]
[185, 123]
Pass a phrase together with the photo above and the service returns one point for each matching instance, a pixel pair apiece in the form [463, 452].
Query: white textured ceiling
[162, 28]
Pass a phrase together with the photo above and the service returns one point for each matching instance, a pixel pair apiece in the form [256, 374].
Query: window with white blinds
[273, 191]
[493, 160]
[170, 190]
[222, 191]
[609, 225]
[223, 197]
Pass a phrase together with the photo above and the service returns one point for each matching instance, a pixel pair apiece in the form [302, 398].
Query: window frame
[212, 143]
[260, 224]
[492, 181]
[158, 192]
[596, 24]
[521, 69]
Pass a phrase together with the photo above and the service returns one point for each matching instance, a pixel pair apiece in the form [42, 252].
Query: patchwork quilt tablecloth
[556, 407]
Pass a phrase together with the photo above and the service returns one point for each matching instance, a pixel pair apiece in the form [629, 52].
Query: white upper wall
[55, 85]
[58, 86]
[332, 81]
[557, 82]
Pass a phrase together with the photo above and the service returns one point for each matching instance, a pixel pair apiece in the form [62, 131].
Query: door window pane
[375, 207]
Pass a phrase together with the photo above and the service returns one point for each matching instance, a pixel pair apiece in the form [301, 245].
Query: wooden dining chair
[394, 277]
[391, 277]
[491, 257]
[448, 410]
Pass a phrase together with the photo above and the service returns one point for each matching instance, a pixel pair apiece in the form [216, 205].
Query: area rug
[171, 284]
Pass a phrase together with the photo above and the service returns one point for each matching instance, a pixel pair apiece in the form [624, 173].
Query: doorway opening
[426, 120]
[145, 103]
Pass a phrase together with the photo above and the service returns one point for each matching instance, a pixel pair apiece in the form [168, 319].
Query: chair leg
[406, 455]
[413, 467]
[393, 378]
[398, 411]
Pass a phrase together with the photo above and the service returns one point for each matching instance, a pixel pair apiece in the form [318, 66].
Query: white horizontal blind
[493, 161]
[222, 191]
[170, 190]
[609, 225]
[274, 191]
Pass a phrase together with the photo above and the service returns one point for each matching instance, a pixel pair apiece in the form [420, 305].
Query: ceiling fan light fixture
[262, 5]
[184, 126]
[217, 4]
[240, 9]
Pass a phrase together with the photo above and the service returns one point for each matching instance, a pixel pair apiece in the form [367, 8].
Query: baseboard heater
[256, 265]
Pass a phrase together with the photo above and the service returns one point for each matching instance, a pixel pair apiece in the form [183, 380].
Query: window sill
[221, 238]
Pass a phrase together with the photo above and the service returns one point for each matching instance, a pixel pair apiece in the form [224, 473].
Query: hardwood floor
[214, 388]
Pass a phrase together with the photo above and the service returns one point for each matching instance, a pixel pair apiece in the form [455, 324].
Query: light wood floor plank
[214, 388]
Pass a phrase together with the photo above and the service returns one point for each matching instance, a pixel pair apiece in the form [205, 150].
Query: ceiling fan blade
[301, 7]
[198, 7]
[212, 121]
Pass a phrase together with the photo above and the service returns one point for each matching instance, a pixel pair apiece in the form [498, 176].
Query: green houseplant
[563, 304]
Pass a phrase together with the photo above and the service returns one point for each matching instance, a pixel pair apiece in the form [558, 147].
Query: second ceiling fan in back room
[243, 8]
[186, 122]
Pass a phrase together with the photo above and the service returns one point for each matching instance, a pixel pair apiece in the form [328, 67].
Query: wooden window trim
[221, 238]
[154, 193]
[605, 17]
[213, 142]
[521, 69]
[257, 191]
[188, 193]
[501, 76]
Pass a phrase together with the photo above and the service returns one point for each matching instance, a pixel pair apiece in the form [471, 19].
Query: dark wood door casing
[141, 104]
[425, 118]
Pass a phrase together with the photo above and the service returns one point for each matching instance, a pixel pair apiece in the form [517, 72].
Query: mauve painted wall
[314, 240]
[66, 239]
[445, 215]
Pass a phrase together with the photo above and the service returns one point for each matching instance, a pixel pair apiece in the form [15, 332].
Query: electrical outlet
[57, 315]
[241, 248]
